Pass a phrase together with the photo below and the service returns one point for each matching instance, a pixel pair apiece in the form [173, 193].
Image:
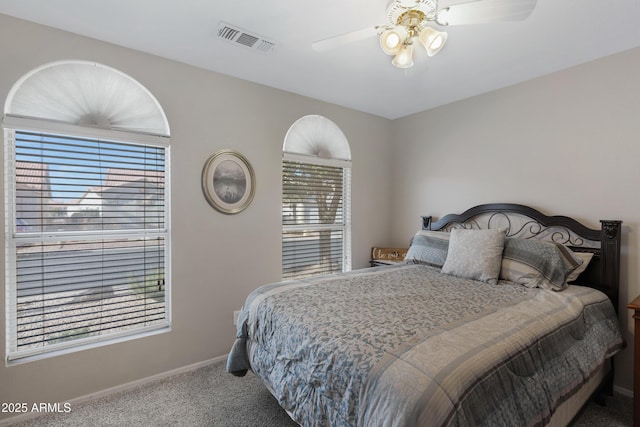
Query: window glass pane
[312, 194]
[88, 256]
[70, 184]
[313, 219]
[309, 253]
[77, 289]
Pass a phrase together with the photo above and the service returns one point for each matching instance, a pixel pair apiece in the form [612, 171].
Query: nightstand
[635, 306]
[387, 256]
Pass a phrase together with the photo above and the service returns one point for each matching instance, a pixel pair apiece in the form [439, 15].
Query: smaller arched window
[87, 259]
[316, 199]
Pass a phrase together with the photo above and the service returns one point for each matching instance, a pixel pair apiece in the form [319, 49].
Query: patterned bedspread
[407, 346]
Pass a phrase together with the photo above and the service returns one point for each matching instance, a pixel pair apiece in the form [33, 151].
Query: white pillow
[586, 258]
[475, 254]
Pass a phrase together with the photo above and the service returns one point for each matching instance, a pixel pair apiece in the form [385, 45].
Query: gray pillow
[428, 247]
[475, 254]
[538, 264]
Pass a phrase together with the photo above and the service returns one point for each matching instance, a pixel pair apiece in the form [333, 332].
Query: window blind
[87, 246]
[315, 233]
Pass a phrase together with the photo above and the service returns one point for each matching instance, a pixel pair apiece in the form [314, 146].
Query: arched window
[316, 199]
[86, 191]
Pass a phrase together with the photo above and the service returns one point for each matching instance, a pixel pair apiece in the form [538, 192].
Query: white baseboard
[118, 388]
[622, 391]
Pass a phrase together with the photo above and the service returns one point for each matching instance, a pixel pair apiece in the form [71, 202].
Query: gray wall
[567, 144]
[217, 259]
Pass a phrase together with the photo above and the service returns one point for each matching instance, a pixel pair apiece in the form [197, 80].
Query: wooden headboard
[603, 272]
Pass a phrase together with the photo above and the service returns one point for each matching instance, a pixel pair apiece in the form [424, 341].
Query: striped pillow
[537, 264]
[428, 247]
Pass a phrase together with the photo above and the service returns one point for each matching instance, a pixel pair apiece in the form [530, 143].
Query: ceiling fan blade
[337, 41]
[487, 11]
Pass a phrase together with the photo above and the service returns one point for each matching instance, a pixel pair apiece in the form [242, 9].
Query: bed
[499, 316]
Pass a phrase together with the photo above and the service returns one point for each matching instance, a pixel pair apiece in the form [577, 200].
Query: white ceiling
[476, 59]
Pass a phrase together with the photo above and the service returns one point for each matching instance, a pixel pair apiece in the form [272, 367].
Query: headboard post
[426, 222]
[610, 253]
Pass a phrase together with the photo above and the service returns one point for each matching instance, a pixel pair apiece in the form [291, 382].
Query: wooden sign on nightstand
[385, 256]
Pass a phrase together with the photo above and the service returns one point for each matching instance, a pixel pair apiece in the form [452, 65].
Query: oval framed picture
[228, 182]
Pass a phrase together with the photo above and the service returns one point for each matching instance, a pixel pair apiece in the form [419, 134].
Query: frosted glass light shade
[391, 40]
[432, 40]
[404, 58]
[87, 94]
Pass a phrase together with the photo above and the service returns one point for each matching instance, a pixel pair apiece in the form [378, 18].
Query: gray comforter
[407, 346]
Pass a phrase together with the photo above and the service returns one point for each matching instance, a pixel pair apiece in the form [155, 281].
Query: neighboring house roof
[117, 177]
[32, 179]
[34, 175]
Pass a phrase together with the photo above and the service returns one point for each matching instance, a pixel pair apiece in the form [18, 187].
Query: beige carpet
[211, 397]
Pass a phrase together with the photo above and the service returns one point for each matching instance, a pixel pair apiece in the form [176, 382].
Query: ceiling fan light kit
[408, 20]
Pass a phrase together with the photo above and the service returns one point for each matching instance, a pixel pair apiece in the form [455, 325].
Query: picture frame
[228, 182]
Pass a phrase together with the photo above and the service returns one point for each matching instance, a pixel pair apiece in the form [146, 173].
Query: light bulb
[391, 40]
[404, 58]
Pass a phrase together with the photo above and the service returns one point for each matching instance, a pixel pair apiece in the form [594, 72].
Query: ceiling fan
[410, 19]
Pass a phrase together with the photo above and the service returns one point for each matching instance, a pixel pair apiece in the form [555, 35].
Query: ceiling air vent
[238, 36]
